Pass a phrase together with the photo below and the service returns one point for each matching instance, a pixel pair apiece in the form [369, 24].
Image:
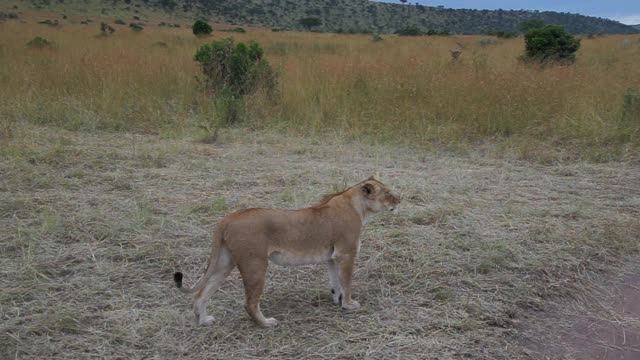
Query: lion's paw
[353, 306]
[207, 321]
[270, 322]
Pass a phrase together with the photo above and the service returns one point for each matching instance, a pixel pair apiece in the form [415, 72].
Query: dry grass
[400, 90]
[105, 191]
[94, 224]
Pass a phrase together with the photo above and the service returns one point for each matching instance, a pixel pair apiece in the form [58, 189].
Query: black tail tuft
[177, 277]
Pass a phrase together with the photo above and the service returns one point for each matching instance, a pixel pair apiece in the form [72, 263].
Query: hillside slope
[382, 17]
[340, 15]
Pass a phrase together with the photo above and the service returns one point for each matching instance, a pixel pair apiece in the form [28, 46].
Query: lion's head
[378, 197]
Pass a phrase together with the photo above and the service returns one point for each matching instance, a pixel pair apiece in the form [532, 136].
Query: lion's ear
[367, 189]
[371, 177]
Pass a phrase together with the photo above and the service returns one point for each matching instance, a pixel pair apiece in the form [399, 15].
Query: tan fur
[327, 232]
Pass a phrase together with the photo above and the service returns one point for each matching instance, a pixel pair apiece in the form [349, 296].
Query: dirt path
[604, 325]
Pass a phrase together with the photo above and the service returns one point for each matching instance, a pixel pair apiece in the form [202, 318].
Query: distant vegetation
[359, 15]
[550, 44]
[200, 28]
[8, 15]
[137, 27]
[39, 42]
[403, 89]
[310, 22]
[413, 30]
[49, 22]
[106, 29]
[347, 16]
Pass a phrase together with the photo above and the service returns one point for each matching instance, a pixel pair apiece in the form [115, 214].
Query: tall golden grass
[400, 89]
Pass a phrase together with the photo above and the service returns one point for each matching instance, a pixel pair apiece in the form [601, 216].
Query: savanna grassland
[401, 90]
[520, 187]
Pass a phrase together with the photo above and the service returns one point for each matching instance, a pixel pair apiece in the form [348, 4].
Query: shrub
[201, 28]
[8, 15]
[232, 71]
[550, 43]
[240, 67]
[106, 29]
[40, 43]
[49, 22]
[376, 38]
[119, 22]
[410, 30]
[137, 27]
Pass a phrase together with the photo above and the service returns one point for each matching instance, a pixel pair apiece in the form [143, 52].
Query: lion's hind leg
[253, 276]
[224, 265]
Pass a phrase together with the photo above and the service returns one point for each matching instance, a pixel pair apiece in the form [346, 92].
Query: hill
[636, 26]
[337, 15]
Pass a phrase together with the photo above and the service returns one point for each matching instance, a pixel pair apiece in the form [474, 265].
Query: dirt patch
[603, 325]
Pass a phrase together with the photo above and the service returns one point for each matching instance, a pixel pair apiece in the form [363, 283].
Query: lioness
[327, 232]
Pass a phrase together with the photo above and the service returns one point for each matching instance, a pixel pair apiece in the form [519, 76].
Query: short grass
[94, 224]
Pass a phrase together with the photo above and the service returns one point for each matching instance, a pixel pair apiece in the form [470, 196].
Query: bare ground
[94, 224]
[603, 324]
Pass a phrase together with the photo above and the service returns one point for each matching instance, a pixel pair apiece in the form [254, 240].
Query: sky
[625, 11]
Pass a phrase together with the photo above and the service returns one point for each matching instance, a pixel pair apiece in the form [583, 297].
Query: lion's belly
[289, 259]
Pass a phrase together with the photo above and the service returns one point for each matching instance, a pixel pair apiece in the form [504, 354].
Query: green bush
[201, 28]
[106, 29]
[119, 22]
[232, 71]
[40, 43]
[137, 27]
[239, 67]
[8, 15]
[550, 44]
[376, 38]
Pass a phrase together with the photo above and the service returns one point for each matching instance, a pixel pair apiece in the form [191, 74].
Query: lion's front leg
[334, 282]
[345, 266]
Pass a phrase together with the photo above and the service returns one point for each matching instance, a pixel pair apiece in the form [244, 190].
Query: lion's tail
[215, 251]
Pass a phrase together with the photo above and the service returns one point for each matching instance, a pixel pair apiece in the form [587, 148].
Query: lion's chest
[288, 258]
